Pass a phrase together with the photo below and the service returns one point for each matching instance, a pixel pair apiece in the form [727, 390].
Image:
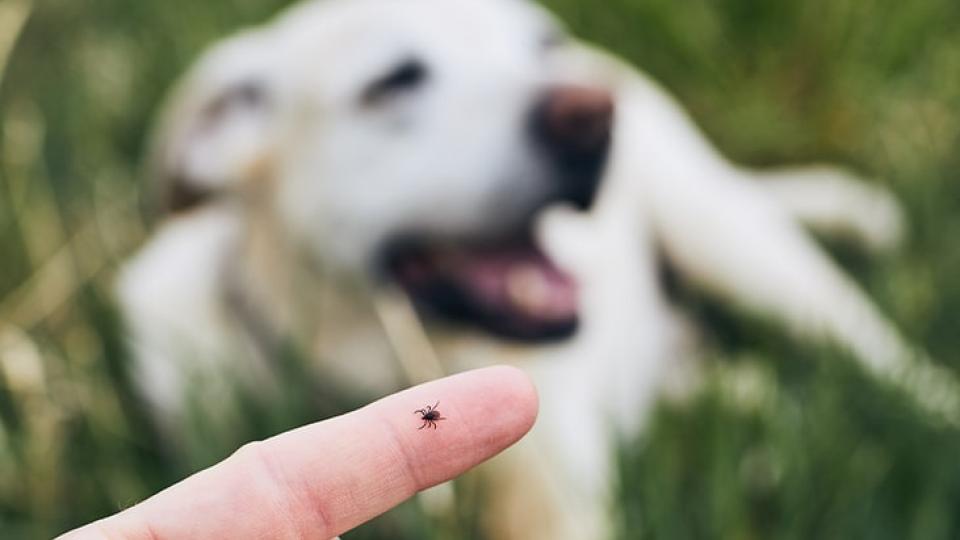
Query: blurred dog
[312, 169]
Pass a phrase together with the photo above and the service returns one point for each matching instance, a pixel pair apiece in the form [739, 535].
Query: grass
[812, 450]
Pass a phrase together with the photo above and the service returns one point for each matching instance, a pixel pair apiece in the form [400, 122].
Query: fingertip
[498, 405]
[334, 475]
[519, 388]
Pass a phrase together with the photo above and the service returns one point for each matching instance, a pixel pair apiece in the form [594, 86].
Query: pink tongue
[519, 280]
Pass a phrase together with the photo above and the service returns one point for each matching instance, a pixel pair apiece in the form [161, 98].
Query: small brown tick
[429, 415]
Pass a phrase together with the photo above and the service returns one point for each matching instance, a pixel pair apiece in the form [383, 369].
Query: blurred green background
[807, 447]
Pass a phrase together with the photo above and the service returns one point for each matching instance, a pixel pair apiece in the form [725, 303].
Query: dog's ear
[213, 133]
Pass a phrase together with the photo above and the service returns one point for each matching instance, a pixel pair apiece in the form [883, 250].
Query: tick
[429, 415]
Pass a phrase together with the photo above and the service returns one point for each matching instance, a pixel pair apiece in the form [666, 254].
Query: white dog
[312, 168]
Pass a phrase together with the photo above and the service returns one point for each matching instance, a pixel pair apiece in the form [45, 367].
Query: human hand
[322, 480]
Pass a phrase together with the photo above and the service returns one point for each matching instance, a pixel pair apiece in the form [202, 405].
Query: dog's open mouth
[511, 289]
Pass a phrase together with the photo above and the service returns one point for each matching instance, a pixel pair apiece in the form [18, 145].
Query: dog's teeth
[529, 289]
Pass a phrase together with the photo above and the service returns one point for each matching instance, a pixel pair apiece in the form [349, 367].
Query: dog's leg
[537, 493]
[598, 390]
[835, 202]
[724, 232]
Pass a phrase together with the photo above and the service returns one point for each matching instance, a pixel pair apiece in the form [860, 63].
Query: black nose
[576, 119]
[574, 123]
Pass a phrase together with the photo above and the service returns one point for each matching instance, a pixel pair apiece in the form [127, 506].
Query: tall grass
[810, 449]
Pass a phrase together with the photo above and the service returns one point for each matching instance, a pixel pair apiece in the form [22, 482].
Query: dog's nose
[576, 119]
[573, 124]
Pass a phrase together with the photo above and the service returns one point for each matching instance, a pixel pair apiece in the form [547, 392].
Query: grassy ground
[816, 451]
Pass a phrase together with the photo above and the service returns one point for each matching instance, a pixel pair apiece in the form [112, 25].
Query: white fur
[344, 178]
[168, 293]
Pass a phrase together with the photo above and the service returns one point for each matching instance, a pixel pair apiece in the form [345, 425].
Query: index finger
[324, 479]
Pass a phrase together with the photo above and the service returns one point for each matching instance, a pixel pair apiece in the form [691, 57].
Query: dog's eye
[406, 76]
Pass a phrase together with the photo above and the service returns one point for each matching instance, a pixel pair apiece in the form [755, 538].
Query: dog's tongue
[514, 290]
[520, 280]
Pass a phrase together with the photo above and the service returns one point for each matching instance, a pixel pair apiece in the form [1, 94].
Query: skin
[324, 479]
